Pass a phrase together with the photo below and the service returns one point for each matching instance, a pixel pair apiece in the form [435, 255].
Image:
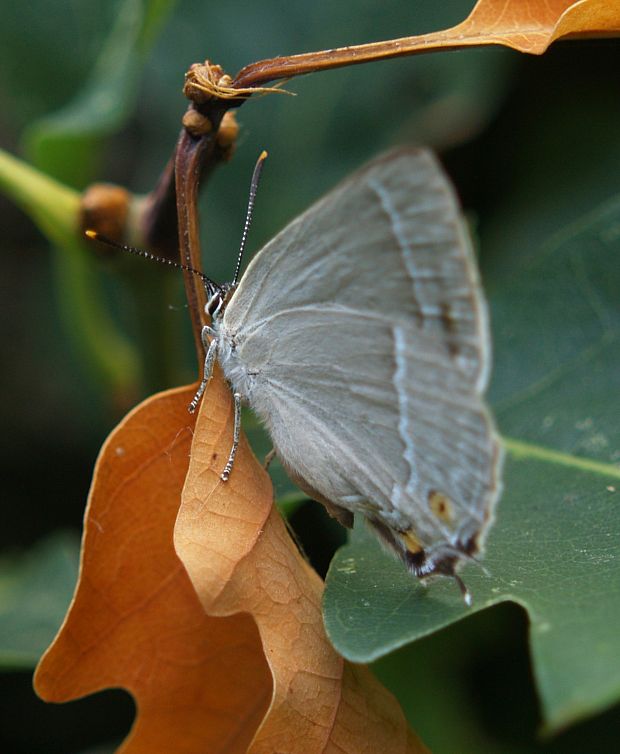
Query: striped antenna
[248, 215]
[210, 285]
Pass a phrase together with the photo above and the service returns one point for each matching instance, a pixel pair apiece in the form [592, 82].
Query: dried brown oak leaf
[200, 683]
[240, 557]
[528, 26]
[532, 25]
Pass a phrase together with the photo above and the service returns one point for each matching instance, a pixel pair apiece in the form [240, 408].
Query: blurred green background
[530, 143]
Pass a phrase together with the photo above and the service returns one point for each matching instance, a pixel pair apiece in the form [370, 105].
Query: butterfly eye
[214, 304]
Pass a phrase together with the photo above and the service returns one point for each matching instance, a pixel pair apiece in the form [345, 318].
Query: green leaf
[554, 548]
[55, 209]
[35, 590]
[51, 205]
[66, 144]
[468, 689]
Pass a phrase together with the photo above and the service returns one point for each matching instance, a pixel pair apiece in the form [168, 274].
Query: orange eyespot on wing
[441, 506]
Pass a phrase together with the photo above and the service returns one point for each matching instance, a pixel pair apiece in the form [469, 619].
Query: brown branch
[264, 71]
[192, 154]
[205, 141]
[158, 219]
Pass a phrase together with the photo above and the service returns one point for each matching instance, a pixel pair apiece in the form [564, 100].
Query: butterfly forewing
[389, 239]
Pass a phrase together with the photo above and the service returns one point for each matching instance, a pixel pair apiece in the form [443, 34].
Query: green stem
[56, 210]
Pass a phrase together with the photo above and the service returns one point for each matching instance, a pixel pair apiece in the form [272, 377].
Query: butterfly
[359, 336]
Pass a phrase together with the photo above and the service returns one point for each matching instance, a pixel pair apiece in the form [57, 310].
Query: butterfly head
[218, 297]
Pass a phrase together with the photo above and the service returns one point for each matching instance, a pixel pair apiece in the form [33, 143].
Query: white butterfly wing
[360, 339]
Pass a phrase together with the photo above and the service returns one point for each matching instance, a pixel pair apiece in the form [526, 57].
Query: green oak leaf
[35, 590]
[555, 545]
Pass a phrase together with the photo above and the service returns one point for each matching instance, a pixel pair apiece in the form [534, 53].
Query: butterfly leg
[211, 349]
[236, 432]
